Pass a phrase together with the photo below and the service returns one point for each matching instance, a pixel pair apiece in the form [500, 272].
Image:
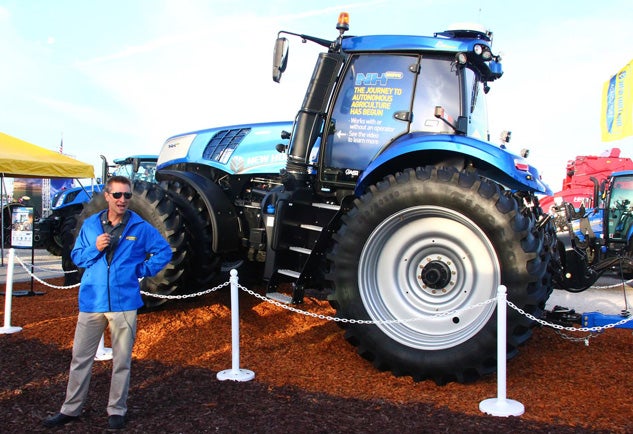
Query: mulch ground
[307, 377]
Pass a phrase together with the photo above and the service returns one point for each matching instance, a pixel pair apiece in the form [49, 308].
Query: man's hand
[103, 241]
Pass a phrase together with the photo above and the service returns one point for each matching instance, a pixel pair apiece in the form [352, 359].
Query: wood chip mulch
[307, 377]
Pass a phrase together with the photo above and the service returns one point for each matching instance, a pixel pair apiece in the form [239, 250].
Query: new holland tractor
[603, 233]
[385, 193]
[594, 217]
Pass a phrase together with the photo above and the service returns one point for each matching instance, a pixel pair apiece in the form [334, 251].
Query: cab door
[373, 107]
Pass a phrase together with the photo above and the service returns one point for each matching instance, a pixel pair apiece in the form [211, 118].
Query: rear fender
[422, 149]
[222, 215]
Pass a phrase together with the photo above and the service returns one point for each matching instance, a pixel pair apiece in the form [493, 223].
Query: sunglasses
[118, 195]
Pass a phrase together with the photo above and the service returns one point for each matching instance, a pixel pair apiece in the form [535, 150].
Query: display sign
[22, 227]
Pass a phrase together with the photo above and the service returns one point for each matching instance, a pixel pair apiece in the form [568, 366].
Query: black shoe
[116, 421]
[58, 420]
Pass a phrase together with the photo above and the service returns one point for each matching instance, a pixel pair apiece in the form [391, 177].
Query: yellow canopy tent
[20, 159]
[23, 159]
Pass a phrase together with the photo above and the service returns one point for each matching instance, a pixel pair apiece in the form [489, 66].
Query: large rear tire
[425, 243]
[154, 205]
[53, 245]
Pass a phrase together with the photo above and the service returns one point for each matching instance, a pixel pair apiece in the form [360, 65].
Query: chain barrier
[628, 283]
[593, 331]
[558, 327]
[359, 321]
[43, 282]
[40, 268]
[183, 296]
[584, 339]
[149, 294]
[37, 267]
[569, 329]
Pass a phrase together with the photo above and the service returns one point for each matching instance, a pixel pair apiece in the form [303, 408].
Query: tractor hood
[238, 149]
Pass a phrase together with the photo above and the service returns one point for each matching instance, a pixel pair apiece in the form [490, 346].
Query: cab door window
[438, 85]
[372, 109]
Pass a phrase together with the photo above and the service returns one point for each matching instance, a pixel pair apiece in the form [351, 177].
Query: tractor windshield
[620, 217]
[476, 106]
[145, 172]
[123, 170]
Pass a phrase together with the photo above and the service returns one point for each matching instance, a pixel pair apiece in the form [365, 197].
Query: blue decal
[611, 104]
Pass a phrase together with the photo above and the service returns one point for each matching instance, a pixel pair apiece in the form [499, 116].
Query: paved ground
[608, 296]
[45, 265]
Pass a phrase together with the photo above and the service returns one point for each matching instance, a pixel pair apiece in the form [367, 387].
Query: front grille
[223, 143]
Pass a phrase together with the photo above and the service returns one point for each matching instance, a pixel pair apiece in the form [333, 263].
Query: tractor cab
[618, 209]
[136, 168]
[376, 102]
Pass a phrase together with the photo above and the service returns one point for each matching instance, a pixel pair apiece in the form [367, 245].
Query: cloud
[135, 50]
[330, 10]
[89, 115]
[550, 95]
[4, 14]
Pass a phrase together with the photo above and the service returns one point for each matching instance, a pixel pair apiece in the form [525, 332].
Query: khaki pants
[90, 327]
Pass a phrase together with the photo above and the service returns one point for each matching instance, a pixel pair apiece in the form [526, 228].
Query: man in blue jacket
[116, 247]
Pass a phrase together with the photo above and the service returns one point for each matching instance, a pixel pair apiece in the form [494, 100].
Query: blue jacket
[114, 287]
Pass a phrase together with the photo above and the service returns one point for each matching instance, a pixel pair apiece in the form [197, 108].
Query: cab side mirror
[280, 58]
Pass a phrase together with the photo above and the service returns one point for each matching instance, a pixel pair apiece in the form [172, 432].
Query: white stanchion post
[500, 406]
[235, 373]
[8, 296]
[103, 353]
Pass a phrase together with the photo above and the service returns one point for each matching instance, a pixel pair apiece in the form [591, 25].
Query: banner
[617, 105]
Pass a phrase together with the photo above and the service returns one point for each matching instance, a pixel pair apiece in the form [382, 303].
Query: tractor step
[278, 296]
[301, 250]
[296, 243]
[289, 273]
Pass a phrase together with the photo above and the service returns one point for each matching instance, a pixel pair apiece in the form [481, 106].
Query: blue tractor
[602, 234]
[385, 194]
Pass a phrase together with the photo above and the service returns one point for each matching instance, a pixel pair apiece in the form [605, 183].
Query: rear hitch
[563, 316]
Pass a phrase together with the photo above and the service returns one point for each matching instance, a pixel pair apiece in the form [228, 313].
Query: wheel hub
[437, 275]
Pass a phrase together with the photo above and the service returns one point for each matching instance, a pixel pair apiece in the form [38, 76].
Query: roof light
[478, 49]
[343, 22]
[461, 58]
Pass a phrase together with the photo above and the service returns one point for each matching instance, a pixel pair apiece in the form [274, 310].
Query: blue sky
[118, 77]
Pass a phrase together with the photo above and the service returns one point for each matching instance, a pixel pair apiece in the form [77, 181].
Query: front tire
[204, 263]
[418, 249]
